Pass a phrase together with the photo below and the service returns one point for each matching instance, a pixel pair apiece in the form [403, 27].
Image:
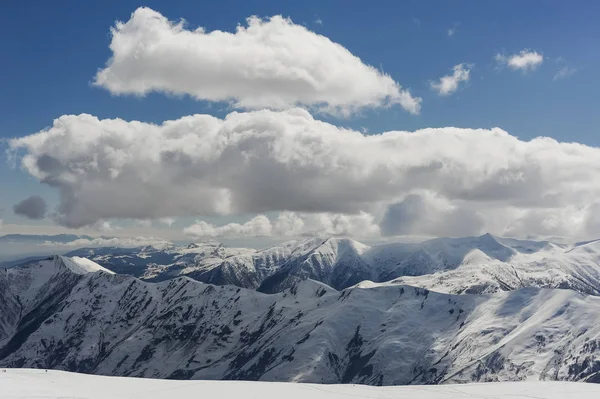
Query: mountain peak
[487, 236]
[80, 265]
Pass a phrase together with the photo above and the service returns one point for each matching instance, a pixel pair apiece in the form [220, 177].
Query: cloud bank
[270, 63]
[287, 161]
[291, 224]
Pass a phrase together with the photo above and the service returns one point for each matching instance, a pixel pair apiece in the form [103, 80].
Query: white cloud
[271, 63]
[423, 213]
[564, 72]
[319, 21]
[267, 161]
[449, 84]
[525, 60]
[452, 31]
[106, 227]
[259, 226]
[291, 224]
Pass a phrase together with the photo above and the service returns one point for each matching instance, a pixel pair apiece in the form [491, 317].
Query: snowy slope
[483, 264]
[532, 264]
[37, 288]
[80, 265]
[25, 384]
[390, 335]
[334, 261]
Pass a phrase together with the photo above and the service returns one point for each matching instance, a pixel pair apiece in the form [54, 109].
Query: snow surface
[80, 265]
[59, 313]
[26, 384]
[385, 335]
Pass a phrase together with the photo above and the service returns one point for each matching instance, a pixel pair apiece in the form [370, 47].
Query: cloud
[259, 226]
[579, 221]
[1, 224]
[525, 60]
[426, 215]
[449, 84]
[143, 223]
[564, 72]
[106, 227]
[291, 224]
[33, 207]
[166, 221]
[275, 161]
[452, 31]
[270, 63]
[148, 223]
[319, 21]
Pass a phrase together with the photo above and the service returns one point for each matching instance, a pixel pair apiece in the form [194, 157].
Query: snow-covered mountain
[70, 314]
[489, 264]
[481, 264]
[210, 262]
[27, 384]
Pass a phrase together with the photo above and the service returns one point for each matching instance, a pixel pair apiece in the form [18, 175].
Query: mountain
[70, 314]
[463, 266]
[211, 262]
[27, 384]
[337, 262]
[62, 238]
[483, 264]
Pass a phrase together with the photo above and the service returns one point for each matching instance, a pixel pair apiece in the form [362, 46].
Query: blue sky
[52, 51]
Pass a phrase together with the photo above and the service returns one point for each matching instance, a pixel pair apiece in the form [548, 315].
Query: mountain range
[73, 314]
[484, 264]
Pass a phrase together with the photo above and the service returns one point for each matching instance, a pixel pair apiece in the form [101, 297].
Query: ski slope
[27, 383]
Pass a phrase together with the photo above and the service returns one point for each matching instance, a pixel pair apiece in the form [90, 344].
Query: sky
[292, 119]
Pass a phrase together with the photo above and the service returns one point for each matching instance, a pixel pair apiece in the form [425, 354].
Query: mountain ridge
[114, 324]
[485, 263]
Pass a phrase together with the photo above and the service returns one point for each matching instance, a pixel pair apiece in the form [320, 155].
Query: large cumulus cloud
[269, 161]
[271, 63]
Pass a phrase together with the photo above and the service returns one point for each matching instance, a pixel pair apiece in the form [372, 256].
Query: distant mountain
[12, 263]
[211, 262]
[71, 314]
[62, 238]
[14, 247]
[483, 264]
